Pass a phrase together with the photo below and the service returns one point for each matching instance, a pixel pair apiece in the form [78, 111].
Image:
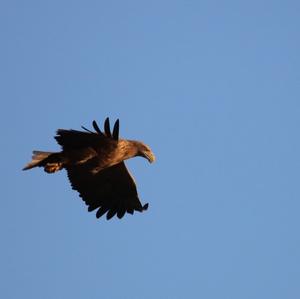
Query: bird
[94, 161]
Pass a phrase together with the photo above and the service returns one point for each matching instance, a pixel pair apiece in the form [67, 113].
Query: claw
[53, 167]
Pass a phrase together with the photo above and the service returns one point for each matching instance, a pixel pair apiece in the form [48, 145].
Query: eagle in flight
[95, 165]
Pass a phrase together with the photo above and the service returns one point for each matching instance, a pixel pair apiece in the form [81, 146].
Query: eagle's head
[133, 148]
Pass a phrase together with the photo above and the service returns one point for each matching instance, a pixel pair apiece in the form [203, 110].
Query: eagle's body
[95, 165]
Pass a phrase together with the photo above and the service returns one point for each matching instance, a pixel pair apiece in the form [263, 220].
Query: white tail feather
[37, 157]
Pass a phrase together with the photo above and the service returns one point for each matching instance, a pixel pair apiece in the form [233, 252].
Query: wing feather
[121, 212]
[95, 125]
[112, 212]
[115, 134]
[84, 128]
[102, 211]
[107, 127]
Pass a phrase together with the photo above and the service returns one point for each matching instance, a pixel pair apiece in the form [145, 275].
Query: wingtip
[111, 213]
[107, 127]
[116, 130]
[84, 128]
[146, 206]
[95, 125]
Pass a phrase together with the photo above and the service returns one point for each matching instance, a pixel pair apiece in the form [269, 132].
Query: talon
[53, 167]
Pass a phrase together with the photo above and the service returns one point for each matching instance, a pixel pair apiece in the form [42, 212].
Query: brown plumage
[95, 165]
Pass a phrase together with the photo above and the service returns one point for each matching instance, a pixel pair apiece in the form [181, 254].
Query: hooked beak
[150, 157]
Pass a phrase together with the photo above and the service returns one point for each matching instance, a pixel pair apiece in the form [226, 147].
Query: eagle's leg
[53, 167]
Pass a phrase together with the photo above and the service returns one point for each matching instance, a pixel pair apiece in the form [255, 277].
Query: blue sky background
[214, 88]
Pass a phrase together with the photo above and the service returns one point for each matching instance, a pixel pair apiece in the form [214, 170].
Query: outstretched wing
[112, 190]
[73, 139]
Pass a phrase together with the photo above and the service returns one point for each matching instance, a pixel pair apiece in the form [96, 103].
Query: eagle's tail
[49, 160]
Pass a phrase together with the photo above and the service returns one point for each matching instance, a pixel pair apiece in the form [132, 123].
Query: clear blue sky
[214, 88]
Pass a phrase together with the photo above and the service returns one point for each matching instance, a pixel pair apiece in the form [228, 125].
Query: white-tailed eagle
[95, 165]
